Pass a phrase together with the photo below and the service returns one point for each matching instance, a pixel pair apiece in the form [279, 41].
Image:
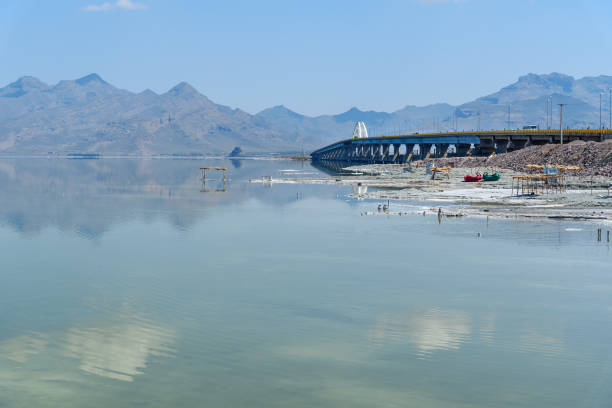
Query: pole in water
[598, 234]
[608, 236]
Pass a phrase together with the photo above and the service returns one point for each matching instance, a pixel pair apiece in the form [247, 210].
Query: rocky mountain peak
[22, 86]
[553, 81]
[184, 89]
[91, 79]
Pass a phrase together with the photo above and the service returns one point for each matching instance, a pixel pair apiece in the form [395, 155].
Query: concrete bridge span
[403, 148]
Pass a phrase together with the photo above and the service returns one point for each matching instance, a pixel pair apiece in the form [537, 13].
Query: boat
[491, 177]
[469, 177]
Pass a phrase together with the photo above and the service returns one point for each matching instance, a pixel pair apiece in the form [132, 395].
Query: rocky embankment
[596, 158]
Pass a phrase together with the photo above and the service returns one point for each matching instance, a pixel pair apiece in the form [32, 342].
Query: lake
[124, 284]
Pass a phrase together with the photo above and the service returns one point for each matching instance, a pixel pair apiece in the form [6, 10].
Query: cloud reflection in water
[119, 351]
[20, 348]
[431, 331]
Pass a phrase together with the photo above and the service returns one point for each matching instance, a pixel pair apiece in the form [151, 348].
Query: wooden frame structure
[204, 189]
[531, 184]
[544, 182]
[444, 170]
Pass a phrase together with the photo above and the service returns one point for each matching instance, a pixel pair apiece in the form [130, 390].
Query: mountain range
[89, 115]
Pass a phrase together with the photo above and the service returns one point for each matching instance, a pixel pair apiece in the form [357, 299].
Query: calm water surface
[122, 284]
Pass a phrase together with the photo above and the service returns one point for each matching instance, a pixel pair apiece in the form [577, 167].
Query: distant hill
[526, 99]
[89, 115]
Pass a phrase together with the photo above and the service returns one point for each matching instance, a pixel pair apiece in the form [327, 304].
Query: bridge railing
[526, 132]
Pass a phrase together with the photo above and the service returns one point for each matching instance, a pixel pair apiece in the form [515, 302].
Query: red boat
[469, 177]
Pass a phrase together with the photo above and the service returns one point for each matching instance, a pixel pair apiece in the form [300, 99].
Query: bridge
[403, 148]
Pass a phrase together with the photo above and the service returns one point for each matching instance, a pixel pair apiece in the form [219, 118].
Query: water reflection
[118, 350]
[20, 348]
[433, 330]
[537, 341]
[87, 197]
[487, 329]
[269, 301]
[221, 181]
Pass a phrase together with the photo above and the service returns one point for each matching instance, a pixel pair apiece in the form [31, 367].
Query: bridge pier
[425, 150]
[462, 149]
[346, 153]
[486, 147]
[516, 144]
[409, 152]
[441, 149]
[385, 152]
[396, 152]
[361, 153]
[374, 152]
[501, 146]
[352, 155]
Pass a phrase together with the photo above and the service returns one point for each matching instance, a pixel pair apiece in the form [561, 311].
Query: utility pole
[550, 108]
[549, 112]
[561, 105]
[508, 116]
[600, 111]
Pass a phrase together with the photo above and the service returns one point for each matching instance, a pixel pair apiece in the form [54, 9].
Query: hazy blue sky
[312, 56]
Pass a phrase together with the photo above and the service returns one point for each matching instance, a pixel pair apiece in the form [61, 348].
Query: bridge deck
[487, 141]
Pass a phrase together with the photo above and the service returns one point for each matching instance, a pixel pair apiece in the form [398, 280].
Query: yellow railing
[585, 132]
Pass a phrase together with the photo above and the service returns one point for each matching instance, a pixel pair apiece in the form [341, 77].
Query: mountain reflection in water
[88, 197]
[123, 285]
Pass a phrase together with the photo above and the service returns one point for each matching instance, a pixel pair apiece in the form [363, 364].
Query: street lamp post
[561, 105]
[547, 112]
[600, 94]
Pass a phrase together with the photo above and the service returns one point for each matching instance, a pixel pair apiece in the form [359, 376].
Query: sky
[315, 57]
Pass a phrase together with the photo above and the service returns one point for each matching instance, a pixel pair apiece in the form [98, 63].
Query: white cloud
[117, 5]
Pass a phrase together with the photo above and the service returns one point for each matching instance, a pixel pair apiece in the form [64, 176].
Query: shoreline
[584, 198]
